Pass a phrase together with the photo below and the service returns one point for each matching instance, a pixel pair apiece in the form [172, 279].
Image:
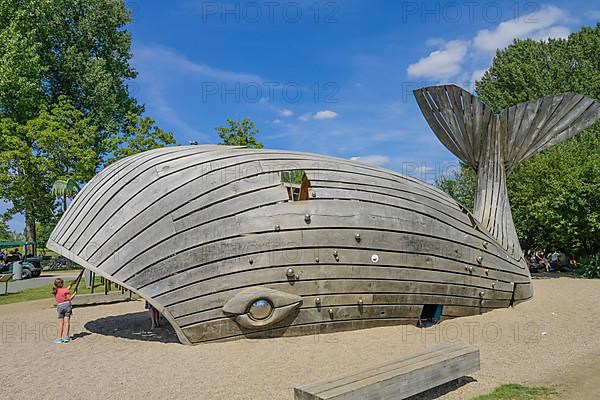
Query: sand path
[553, 340]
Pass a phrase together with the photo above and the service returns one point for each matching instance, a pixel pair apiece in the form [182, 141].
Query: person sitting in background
[554, 263]
[542, 261]
[534, 266]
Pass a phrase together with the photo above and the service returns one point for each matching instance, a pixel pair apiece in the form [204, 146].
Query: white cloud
[276, 121]
[304, 117]
[441, 64]
[373, 159]
[168, 59]
[555, 32]
[463, 59]
[477, 74]
[157, 98]
[325, 114]
[538, 25]
[286, 113]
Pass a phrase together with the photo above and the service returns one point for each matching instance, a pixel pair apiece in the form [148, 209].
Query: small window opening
[430, 315]
[296, 183]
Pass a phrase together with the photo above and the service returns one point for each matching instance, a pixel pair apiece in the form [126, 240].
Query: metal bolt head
[485, 243]
[297, 277]
[471, 269]
[481, 294]
[493, 284]
[318, 300]
[331, 312]
[335, 253]
[479, 259]
[307, 218]
[487, 271]
[360, 302]
[316, 259]
[277, 227]
[313, 194]
[290, 272]
[251, 261]
[357, 237]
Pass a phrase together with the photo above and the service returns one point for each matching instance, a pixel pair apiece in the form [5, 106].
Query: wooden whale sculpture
[215, 240]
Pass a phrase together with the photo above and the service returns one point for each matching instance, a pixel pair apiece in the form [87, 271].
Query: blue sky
[331, 77]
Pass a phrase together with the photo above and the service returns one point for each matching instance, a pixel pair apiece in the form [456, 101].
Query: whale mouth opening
[296, 183]
[430, 315]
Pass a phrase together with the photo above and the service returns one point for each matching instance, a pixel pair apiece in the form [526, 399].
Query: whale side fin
[536, 125]
[458, 118]
[494, 144]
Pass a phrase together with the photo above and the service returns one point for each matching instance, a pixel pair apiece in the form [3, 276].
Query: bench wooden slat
[397, 379]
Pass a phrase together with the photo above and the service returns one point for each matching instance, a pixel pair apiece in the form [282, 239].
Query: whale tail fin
[495, 143]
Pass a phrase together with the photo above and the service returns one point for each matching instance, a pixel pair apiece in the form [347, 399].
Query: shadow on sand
[556, 274]
[134, 326]
[441, 390]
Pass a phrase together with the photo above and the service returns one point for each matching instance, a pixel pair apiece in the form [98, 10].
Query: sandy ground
[553, 340]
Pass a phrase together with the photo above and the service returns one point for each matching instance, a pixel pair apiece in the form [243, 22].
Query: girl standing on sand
[63, 298]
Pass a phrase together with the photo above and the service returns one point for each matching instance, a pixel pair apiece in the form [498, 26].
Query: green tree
[5, 234]
[64, 69]
[239, 133]
[461, 184]
[56, 143]
[555, 196]
[65, 189]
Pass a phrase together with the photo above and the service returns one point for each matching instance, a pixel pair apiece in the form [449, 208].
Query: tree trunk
[29, 227]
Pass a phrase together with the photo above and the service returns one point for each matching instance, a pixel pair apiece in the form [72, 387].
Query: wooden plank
[103, 203]
[396, 380]
[95, 299]
[190, 192]
[317, 272]
[112, 174]
[218, 333]
[290, 216]
[384, 291]
[353, 263]
[470, 306]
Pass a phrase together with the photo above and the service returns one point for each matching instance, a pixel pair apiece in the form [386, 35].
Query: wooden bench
[397, 379]
[5, 278]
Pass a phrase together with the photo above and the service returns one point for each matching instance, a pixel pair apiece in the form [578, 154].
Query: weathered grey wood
[113, 172]
[505, 140]
[190, 228]
[399, 379]
[329, 300]
[95, 299]
[109, 189]
[430, 234]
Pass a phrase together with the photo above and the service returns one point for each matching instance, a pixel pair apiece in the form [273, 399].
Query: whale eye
[259, 307]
